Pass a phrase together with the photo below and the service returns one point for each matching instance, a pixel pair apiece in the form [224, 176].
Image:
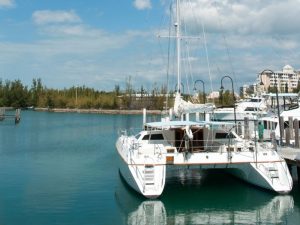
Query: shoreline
[100, 111]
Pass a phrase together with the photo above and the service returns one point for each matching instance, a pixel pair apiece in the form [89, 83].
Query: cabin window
[255, 100]
[250, 109]
[268, 125]
[265, 124]
[224, 135]
[137, 136]
[153, 137]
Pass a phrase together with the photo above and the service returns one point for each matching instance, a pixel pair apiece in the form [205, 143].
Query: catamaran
[177, 143]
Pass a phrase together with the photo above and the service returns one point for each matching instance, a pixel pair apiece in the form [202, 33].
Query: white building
[213, 95]
[285, 80]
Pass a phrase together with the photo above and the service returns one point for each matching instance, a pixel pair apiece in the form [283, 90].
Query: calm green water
[62, 169]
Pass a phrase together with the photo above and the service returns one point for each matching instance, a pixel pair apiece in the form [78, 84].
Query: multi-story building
[285, 80]
[248, 90]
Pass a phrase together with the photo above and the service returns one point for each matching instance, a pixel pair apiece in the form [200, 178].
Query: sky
[100, 44]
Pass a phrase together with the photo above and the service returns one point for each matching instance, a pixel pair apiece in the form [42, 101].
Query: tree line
[15, 94]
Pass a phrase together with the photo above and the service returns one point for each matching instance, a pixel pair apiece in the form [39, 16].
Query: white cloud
[62, 24]
[243, 17]
[91, 57]
[243, 38]
[142, 4]
[43, 17]
[7, 3]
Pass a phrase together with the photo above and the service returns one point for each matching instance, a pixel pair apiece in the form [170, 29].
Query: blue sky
[101, 43]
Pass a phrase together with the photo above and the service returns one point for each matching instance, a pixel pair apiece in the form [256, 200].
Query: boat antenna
[177, 28]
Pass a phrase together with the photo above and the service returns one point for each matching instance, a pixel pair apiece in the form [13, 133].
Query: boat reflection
[242, 206]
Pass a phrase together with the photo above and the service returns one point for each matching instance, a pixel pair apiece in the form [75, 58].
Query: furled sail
[181, 106]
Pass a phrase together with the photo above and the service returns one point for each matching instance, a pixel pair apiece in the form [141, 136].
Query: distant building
[248, 90]
[285, 80]
[216, 94]
[213, 95]
[243, 90]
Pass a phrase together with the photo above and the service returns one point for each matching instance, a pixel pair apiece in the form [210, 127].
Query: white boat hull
[259, 174]
[146, 178]
[269, 171]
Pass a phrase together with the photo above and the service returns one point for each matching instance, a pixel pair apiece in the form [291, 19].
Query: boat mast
[177, 28]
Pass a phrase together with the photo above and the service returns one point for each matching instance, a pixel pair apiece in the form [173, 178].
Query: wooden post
[144, 116]
[2, 114]
[18, 116]
[296, 129]
[246, 128]
[239, 128]
[291, 127]
[287, 136]
[273, 139]
[281, 129]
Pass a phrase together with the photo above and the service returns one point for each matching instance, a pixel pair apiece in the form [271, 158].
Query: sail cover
[181, 106]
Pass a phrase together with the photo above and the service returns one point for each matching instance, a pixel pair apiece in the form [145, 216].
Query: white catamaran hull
[272, 176]
[147, 175]
[146, 178]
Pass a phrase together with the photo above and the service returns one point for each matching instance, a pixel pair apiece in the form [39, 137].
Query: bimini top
[179, 123]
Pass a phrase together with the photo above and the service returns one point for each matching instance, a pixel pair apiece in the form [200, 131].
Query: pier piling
[18, 116]
[287, 136]
[273, 139]
[296, 130]
[281, 129]
[4, 115]
[291, 150]
[246, 128]
[291, 127]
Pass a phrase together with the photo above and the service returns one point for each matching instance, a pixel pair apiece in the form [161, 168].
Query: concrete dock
[291, 156]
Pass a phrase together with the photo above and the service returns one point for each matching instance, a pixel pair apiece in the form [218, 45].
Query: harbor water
[62, 168]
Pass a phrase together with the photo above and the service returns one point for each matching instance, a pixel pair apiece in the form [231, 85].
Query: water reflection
[135, 209]
[208, 204]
